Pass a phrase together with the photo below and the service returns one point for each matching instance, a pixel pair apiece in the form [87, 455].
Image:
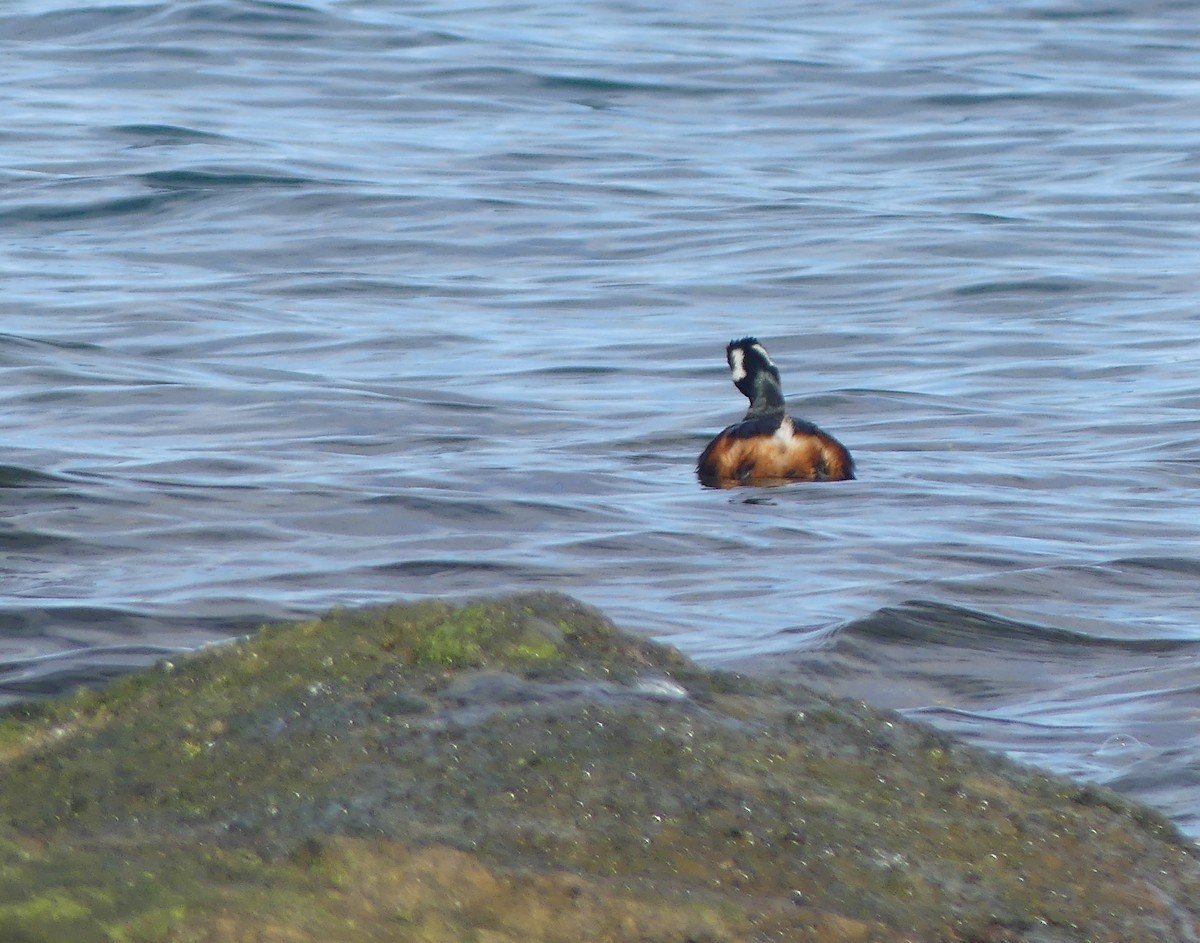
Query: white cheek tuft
[737, 364]
[763, 352]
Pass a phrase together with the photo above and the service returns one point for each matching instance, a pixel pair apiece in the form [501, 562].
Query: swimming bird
[768, 447]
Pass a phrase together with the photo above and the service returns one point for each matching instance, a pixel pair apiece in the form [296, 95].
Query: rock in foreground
[520, 770]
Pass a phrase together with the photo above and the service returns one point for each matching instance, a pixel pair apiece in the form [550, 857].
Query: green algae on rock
[519, 769]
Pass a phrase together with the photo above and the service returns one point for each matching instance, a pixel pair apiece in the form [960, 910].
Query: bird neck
[766, 396]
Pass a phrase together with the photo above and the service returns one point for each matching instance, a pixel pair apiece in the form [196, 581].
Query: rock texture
[520, 770]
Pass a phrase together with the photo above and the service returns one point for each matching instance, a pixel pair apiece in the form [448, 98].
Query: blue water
[340, 302]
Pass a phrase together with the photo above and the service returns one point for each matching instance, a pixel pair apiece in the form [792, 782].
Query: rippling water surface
[340, 302]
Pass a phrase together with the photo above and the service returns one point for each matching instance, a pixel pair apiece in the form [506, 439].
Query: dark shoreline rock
[519, 769]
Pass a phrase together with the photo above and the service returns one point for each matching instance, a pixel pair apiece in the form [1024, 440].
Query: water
[341, 302]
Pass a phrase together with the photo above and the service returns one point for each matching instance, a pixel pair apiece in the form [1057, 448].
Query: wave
[936, 624]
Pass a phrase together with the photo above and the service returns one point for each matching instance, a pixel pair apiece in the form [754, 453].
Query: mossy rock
[520, 769]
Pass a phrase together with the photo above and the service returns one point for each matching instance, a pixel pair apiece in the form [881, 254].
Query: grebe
[768, 447]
